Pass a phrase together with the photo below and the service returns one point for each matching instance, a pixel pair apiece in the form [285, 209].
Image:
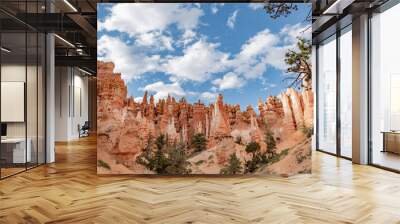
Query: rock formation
[125, 126]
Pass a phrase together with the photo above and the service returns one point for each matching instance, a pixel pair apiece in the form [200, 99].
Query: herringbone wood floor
[69, 191]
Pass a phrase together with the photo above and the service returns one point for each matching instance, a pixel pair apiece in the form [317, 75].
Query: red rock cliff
[124, 125]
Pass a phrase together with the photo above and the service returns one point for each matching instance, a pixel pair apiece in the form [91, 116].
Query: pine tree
[234, 166]
[253, 164]
[283, 9]
[299, 64]
[297, 60]
[253, 147]
[160, 142]
[199, 142]
[178, 163]
[270, 142]
[276, 10]
[157, 156]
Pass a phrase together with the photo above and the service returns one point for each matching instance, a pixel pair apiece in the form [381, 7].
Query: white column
[314, 87]
[360, 90]
[50, 99]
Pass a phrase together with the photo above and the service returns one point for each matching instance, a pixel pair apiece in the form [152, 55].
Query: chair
[84, 130]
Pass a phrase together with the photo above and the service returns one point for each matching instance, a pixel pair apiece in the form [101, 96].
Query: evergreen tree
[253, 164]
[199, 142]
[234, 166]
[157, 156]
[270, 142]
[299, 64]
[160, 141]
[307, 131]
[153, 157]
[178, 163]
[276, 10]
[297, 60]
[253, 147]
[283, 9]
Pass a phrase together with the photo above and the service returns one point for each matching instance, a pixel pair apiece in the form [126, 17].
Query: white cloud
[276, 55]
[251, 61]
[128, 60]
[263, 49]
[290, 33]
[215, 7]
[161, 90]
[198, 62]
[232, 19]
[187, 37]
[256, 6]
[259, 43]
[154, 40]
[229, 81]
[148, 22]
[266, 84]
[138, 99]
[141, 18]
[208, 96]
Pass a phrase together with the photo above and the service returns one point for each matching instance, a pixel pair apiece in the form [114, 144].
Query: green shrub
[307, 131]
[164, 159]
[199, 142]
[234, 166]
[253, 147]
[277, 157]
[270, 141]
[252, 165]
[259, 159]
[300, 157]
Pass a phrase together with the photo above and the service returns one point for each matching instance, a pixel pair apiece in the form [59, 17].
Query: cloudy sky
[199, 50]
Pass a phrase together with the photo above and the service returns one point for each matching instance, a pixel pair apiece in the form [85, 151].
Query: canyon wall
[124, 126]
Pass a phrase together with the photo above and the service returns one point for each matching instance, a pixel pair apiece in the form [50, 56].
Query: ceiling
[332, 15]
[73, 21]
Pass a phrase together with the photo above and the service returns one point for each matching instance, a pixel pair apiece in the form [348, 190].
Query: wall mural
[200, 91]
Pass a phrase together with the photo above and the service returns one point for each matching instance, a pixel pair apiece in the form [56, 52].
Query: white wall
[61, 103]
[80, 110]
[71, 94]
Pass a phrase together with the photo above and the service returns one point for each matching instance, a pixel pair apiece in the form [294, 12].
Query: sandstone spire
[219, 120]
[144, 100]
[151, 100]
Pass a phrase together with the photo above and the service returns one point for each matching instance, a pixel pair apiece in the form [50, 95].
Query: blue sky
[199, 50]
